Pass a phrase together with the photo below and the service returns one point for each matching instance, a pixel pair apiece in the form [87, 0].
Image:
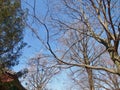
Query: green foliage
[11, 32]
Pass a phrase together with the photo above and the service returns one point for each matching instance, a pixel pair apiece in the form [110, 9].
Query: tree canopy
[82, 36]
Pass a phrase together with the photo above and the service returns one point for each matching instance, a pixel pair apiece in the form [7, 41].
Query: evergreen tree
[11, 32]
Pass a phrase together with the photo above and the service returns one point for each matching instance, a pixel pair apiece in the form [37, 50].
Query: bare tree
[41, 71]
[79, 52]
[107, 81]
[102, 27]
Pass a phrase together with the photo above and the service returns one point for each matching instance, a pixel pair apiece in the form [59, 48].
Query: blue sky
[59, 82]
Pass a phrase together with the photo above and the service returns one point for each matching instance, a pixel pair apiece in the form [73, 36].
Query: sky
[59, 82]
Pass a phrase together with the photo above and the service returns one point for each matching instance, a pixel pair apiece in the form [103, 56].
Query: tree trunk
[90, 79]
